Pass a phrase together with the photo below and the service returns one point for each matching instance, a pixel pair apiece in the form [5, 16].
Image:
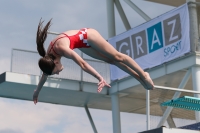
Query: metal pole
[196, 86]
[176, 89]
[195, 47]
[122, 15]
[148, 109]
[90, 118]
[193, 25]
[53, 33]
[111, 18]
[11, 63]
[138, 10]
[176, 95]
[116, 114]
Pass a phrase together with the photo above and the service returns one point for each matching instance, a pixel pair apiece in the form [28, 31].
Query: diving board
[56, 91]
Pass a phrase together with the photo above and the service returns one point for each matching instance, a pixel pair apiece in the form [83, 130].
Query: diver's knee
[118, 57]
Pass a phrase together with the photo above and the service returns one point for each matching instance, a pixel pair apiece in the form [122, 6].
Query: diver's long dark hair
[46, 63]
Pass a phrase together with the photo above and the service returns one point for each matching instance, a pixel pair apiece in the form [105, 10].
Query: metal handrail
[53, 33]
[176, 89]
[35, 52]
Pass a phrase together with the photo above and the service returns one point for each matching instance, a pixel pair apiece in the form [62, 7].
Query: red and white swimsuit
[78, 40]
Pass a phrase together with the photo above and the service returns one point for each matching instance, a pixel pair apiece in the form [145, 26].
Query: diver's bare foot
[148, 81]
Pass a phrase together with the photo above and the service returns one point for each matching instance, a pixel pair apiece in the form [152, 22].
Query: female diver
[91, 43]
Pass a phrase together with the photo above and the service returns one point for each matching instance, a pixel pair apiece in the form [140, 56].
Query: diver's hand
[35, 97]
[101, 84]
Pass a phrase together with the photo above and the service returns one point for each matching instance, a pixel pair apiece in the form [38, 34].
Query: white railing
[24, 61]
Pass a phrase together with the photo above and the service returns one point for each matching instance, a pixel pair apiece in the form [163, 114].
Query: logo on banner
[124, 46]
[155, 39]
[172, 28]
[140, 47]
[161, 34]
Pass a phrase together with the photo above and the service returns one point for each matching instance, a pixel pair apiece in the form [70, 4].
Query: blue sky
[18, 25]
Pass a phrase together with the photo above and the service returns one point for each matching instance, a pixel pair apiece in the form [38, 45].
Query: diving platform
[55, 91]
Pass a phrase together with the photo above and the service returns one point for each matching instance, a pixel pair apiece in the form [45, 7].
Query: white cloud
[10, 131]
[102, 120]
[26, 117]
[133, 122]
[70, 15]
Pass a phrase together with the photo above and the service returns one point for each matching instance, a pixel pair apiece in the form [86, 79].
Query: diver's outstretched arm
[39, 87]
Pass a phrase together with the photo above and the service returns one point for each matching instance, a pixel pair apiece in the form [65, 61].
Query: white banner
[151, 44]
